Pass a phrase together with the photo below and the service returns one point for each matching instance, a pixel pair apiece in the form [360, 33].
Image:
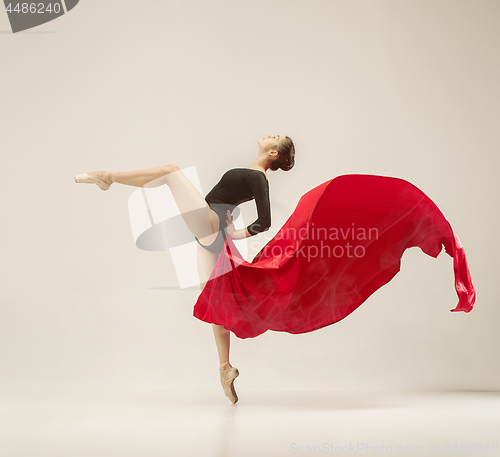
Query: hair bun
[288, 165]
[286, 156]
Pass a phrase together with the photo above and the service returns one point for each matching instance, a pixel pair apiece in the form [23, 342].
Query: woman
[210, 218]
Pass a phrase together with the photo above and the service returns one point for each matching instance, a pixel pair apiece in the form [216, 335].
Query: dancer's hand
[230, 226]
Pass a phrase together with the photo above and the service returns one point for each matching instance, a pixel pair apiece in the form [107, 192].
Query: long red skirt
[344, 241]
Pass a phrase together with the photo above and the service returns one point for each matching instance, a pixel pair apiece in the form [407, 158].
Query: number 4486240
[34, 8]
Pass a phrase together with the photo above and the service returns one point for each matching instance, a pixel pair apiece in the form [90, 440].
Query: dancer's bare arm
[235, 234]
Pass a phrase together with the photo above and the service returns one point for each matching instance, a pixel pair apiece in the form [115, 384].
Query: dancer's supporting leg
[222, 340]
[206, 263]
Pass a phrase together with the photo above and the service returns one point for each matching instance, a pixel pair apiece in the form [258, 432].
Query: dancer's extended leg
[201, 220]
[147, 177]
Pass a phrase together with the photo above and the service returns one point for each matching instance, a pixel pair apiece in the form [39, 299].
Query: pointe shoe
[86, 178]
[227, 378]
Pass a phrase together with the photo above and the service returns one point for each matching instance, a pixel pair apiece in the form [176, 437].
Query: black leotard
[237, 186]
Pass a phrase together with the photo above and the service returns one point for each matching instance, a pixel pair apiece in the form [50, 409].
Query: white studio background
[406, 89]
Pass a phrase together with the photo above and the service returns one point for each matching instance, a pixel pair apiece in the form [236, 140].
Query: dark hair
[286, 155]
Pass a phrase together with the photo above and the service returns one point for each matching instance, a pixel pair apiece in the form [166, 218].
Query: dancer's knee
[171, 167]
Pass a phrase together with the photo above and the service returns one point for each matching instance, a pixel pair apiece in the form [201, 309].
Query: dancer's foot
[227, 376]
[102, 178]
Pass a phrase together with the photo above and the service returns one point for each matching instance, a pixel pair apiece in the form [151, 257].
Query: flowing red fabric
[344, 240]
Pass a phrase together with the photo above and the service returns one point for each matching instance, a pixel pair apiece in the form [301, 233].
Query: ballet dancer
[210, 218]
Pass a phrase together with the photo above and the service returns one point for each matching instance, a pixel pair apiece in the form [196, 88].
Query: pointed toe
[88, 179]
[227, 378]
[83, 178]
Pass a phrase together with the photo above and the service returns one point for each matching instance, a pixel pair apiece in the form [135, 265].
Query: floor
[149, 424]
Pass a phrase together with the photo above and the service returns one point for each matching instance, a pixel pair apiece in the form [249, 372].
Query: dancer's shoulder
[251, 172]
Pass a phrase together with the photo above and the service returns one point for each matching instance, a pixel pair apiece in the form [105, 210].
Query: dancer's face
[270, 142]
